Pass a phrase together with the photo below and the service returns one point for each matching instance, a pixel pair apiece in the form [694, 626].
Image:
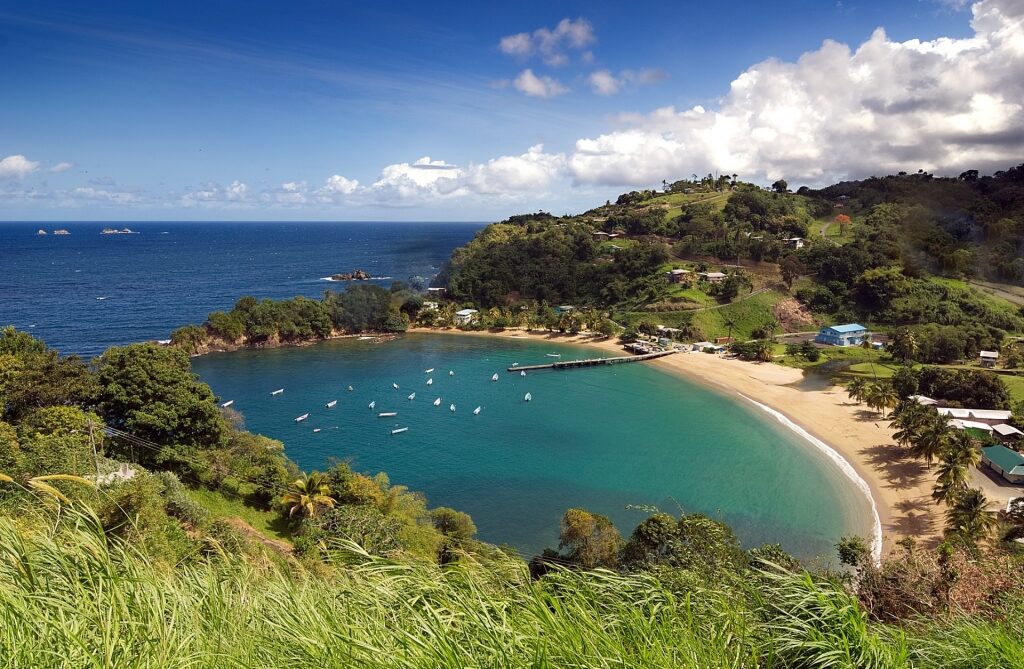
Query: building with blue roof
[851, 334]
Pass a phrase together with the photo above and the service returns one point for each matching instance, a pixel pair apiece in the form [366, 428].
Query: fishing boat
[330, 405]
[515, 364]
[316, 429]
[387, 414]
[395, 386]
[428, 371]
[373, 404]
[430, 382]
[278, 391]
[522, 373]
[302, 418]
[554, 355]
[528, 397]
[451, 408]
[451, 373]
[227, 404]
[399, 430]
[494, 378]
[437, 402]
[476, 410]
[412, 396]
[350, 388]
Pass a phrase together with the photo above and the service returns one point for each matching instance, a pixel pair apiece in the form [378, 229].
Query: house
[794, 242]
[924, 400]
[1006, 462]
[712, 277]
[850, 334]
[436, 292]
[600, 235]
[564, 309]
[987, 417]
[465, 316]
[1007, 433]
[988, 358]
[678, 275]
[431, 305]
[706, 346]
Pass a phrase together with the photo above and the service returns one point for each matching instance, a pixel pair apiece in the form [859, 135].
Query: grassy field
[1016, 386]
[222, 506]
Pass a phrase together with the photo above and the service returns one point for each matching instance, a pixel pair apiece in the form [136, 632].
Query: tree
[791, 269]
[308, 495]
[856, 388]
[969, 520]
[780, 186]
[954, 467]
[843, 221]
[932, 440]
[453, 524]
[904, 345]
[150, 391]
[909, 423]
[853, 551]
[589, 540]
[57, 440]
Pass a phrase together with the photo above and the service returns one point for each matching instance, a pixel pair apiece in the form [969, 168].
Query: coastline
[898, 488]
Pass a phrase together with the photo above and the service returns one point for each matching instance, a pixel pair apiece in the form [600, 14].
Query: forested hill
[901, 250]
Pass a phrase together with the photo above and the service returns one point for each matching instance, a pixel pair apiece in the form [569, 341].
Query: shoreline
[898, 489]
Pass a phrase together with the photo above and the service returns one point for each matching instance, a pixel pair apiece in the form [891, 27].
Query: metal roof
[1007, 459]
[849, 327]
[1006, 430]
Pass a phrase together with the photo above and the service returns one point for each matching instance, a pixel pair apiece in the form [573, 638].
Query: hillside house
[680, 276]
[1006, 462]
[465, 316]
[850, 334]
[712, 277]
[988, 358]
[794, 242]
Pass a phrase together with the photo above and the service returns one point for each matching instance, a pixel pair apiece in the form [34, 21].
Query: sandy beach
[900, 486]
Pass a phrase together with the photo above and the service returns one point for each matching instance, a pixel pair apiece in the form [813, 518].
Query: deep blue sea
[604, 439]
[83, 292]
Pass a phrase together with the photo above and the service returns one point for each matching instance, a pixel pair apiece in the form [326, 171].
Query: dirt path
[279, 546]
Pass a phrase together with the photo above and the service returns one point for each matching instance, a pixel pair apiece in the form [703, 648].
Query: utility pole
[95, 457]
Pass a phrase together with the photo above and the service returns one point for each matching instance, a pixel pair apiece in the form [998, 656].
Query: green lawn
[1016, 386]
[746, 316]
[223, 506]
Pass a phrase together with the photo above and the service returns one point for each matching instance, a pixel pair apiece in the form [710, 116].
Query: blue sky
[318, 110]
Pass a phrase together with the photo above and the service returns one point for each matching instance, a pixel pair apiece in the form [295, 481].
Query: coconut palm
[905, 345]
[909, 422]
[954, 467]
[857, 389]
[969, 518]
[308, 495]
[886, 397]
[933, 439]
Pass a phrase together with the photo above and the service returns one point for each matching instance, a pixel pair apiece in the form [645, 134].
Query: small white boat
[451, 408]
[428, 371]
[373, 404]
[387, 414]
[494, 378]
[412, 396]
[350, 388]
[278, 391]
[316, 429]
[554, 355]
[330, 405]
[395, 386]
[399, 430]
[476, 410]
[528, 397]
[430, 382]
[522, 373]
[302, 418]
[437, 402]
[515, 364]
[451, 373]
[227, 404]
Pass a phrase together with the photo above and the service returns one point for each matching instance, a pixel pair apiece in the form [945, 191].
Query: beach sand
[900, 486]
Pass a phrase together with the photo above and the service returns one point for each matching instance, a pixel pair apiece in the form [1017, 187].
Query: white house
[713, 277]
[794, 242]
[465, 316]
[988, 358]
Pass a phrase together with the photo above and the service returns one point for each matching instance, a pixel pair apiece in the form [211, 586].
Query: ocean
[614, 440]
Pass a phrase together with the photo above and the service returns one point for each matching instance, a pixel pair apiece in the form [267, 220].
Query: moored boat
[399, 430]
[451, 408]
[476, 410]
[387, 414]
[277, 392]
[302, 418]
[430, 382]
[494, 378]
[428, 371]
[437, 402]
[412, 396]
[227, 404]
[528, 397]
[330, 405]
[373, 404]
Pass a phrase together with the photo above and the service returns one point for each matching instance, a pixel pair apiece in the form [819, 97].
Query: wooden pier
[592, 362]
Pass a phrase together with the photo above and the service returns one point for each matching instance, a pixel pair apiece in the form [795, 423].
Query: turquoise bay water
[599, 438]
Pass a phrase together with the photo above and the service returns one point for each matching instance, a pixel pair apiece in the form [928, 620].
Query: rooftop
[1006, 430]
[465, 312]
[1009, 460]
[849, 327]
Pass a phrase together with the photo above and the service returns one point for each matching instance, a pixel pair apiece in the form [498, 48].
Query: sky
[322, 110]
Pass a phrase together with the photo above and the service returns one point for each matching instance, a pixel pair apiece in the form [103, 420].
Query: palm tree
[885, 397]
[933, 439]
[909, 422]
[969, 519]
[765, 350]
[954, 467]
[857, 389]
[905, 344]
[308, 495]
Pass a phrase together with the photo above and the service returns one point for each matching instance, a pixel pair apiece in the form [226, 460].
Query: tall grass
[71, 598]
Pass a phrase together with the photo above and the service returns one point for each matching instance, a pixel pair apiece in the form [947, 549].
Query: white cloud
[212, 193]
[17, 166]
[62, 167]
[113, 196]
[550, 44]
[533, 171]
[539, 87]
[941, 105]
[604, 82]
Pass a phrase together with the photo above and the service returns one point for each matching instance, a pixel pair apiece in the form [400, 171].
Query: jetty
[592, 362]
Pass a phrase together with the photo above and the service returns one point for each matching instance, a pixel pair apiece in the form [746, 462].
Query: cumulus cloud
[605, 83]
[942, 105]
[538, 86]
[62, 167]
[551, 44]
[533, 171]
[212, 193]
[17, 167]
